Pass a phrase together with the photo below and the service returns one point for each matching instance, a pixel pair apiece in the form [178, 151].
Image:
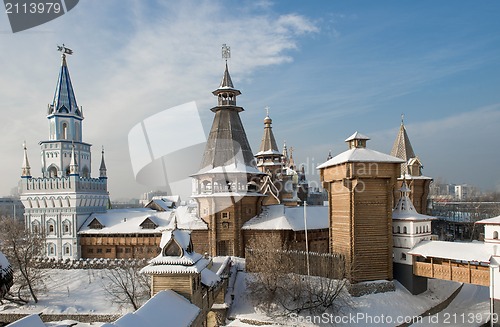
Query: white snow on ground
[383, 309]
[469, 308]
[73, 291]
[86, 295]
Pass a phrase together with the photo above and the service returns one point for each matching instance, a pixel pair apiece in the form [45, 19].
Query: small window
[90, 250]
[403, 256]
[495, 235]
[51, 229]
[405, 230]
[108, 250]
[225, 225]
[127, 250]
[399, 229]
[225, 215]
[99, 250]
[66, 250]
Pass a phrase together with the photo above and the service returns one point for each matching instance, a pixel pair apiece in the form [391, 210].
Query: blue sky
[325, 68]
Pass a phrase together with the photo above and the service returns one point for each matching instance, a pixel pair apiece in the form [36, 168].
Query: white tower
[409, 228]
[59, 202]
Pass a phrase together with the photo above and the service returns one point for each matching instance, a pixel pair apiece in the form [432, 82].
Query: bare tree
[280, 280]
[22, 248]
[127, 285]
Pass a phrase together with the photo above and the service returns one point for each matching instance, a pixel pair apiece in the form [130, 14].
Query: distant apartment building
[11, 207]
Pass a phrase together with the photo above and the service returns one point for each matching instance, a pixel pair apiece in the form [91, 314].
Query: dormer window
[95, 224]
[148, 224]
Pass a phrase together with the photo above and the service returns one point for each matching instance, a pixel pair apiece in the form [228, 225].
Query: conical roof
[268, 144]
[227, 143]
[64, 101]
[402, 148]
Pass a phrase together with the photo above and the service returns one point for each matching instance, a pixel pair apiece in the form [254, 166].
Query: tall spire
[64, 101]
[402, 147]
[73, 165]
[227, 141]
[102, 168]
[26, 169]
[268, 143]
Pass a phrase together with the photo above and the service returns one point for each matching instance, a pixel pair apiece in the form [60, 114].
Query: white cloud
[131, 62]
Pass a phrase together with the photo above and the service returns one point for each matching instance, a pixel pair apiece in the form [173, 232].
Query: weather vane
[64, 49]
[226, 52]
[267, 110]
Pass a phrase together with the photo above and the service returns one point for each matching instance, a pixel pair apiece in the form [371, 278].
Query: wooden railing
[455, 271]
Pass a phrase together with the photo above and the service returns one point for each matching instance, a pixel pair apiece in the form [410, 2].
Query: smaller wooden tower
[360, 183]
[180, 269]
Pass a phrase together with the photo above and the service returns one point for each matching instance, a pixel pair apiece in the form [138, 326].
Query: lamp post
[493, 266]
[307, 242]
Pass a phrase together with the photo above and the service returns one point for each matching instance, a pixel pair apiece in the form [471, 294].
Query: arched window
[35, 227]
[405, 230]
[51, 227]
[67, 249]
[52, 171]
[66, 227]
[495, 235]
[399, 229]
[85, 172]
[64, 131]
[403, 256]
[51, 249]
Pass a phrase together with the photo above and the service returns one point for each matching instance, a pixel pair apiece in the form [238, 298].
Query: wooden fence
[320, 264]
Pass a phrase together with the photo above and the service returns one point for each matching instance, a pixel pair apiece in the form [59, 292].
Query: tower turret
[26, 169]
[73, 165]
[411, 170]
[102, 167]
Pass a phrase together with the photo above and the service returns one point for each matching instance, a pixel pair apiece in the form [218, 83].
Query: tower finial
[226, 52]
[402, 119]
[64, 50]
[267, 110]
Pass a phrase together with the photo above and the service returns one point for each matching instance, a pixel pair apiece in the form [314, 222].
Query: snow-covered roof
[409, 177]
[268, 152]
[357, 136]
[123, 221]
[474, 251]
[405, 210]
[188, 262]
[232, 168]
[360, 155]
[165, 306]
[490, 221]
[281, 217]
[32, 320]
[226, 194]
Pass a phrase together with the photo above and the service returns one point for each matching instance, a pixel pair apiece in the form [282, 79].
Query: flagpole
[307, 243]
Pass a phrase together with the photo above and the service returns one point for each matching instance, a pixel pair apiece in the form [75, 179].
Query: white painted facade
[408, 228]
[60, 201]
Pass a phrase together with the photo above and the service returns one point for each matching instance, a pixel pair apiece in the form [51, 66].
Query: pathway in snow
[469, 308]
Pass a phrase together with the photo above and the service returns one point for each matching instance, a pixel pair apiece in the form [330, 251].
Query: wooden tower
[226, 187]
[360, 184]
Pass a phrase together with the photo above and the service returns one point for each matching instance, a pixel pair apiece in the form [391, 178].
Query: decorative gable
[172, 249]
